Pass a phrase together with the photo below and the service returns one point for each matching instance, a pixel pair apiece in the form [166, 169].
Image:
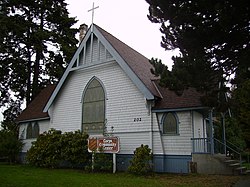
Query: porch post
[224, 132]
[211, 131]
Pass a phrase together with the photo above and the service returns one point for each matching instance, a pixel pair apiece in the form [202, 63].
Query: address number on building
[137, 119]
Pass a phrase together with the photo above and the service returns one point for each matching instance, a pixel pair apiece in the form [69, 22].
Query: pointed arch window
[29, 131]
[93, 117]
[170, 124]
[35, 130]
[32, 130]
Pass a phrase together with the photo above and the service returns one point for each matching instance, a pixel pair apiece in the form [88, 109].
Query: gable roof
[135, 65]
[170, 101]
[138, 63]
[35, 109]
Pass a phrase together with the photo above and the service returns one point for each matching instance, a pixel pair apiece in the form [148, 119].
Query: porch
[212, 156]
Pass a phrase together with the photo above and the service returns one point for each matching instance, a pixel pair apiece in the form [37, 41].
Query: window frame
[34, 133]
[102, 103]
[177, 123]
[29, 131]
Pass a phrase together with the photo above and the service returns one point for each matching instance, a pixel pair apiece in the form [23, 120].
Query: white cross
[92, 9]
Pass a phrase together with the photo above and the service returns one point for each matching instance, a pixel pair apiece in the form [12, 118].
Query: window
[32, 130]
[35, 131]
[93, 116]
[29, 131]
[170, 124]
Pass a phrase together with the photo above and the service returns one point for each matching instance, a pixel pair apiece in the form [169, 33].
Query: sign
[104, 144]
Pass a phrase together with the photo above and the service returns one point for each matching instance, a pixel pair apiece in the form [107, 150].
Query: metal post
[114, 162]
[93, 161]
[224, 132]
[211, 130]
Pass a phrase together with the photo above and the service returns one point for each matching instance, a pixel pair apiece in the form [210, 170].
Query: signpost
[104, 145]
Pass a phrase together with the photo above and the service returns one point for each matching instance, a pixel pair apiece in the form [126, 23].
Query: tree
[37, 41]
[10, 146]
[213, 32]
[241, 108]
[213, 37]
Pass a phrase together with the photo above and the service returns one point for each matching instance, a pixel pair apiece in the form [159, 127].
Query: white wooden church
[108, 87]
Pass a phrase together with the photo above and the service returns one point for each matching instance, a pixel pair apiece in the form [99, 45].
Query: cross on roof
[93, 9]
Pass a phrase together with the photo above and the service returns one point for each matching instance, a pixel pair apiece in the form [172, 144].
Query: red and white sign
[104, 144]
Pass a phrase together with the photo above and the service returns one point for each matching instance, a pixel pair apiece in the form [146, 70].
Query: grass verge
[26, 176]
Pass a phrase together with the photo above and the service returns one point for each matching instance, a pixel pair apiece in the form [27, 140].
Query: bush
[103, 162]
[10, 145]
[141, 163]
[53, 149]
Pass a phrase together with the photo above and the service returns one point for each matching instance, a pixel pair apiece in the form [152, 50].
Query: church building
[108, 87]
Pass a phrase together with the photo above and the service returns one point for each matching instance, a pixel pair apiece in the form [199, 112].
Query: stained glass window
[94, 108]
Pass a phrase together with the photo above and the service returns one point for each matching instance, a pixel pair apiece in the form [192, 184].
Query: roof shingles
[138, 63]
[190, 98]
[35, 108]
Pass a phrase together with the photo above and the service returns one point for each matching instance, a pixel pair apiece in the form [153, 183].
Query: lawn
[20, 175]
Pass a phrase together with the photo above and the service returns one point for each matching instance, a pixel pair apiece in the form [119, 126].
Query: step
[241, 168]
[230, 161]
[235, 164]
[247, 172]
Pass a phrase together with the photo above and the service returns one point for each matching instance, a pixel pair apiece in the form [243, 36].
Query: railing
[201, 145]
[204, 146]
[234, 153]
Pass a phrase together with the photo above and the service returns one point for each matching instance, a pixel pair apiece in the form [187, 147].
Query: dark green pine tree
[37, 42]
[213, 37]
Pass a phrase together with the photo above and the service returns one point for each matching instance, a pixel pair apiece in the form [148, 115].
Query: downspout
[162, 143]
[151, 125]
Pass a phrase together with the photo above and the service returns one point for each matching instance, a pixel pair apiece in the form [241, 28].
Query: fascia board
[139, 84]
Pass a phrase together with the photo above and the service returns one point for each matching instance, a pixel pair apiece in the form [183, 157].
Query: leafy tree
[37, 41]
[241, 108]
[10, 145]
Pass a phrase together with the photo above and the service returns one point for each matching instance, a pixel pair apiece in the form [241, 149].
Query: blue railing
[204, 146]
[201, 145]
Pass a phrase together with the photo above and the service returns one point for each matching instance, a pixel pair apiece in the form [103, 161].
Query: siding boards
[124, 101]
[43, 126]
[180, 144]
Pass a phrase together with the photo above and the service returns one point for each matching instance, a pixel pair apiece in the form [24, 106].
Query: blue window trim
[177, 124]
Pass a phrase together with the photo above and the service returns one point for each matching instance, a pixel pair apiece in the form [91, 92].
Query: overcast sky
[125, 19]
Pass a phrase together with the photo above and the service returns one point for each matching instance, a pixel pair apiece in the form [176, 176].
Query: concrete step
[230, 161]
[246, 172]
[234, 164]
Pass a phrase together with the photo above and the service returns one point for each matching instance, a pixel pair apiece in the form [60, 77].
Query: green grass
[20, 175]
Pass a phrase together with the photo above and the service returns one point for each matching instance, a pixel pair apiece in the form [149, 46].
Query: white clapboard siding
[180, 144]
[43, 127]
[130, 141]
[124, 101]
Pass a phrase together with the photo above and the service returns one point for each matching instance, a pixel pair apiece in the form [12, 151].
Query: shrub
[141, 163]
[10, 145]
[103, 162]
[53, 149]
